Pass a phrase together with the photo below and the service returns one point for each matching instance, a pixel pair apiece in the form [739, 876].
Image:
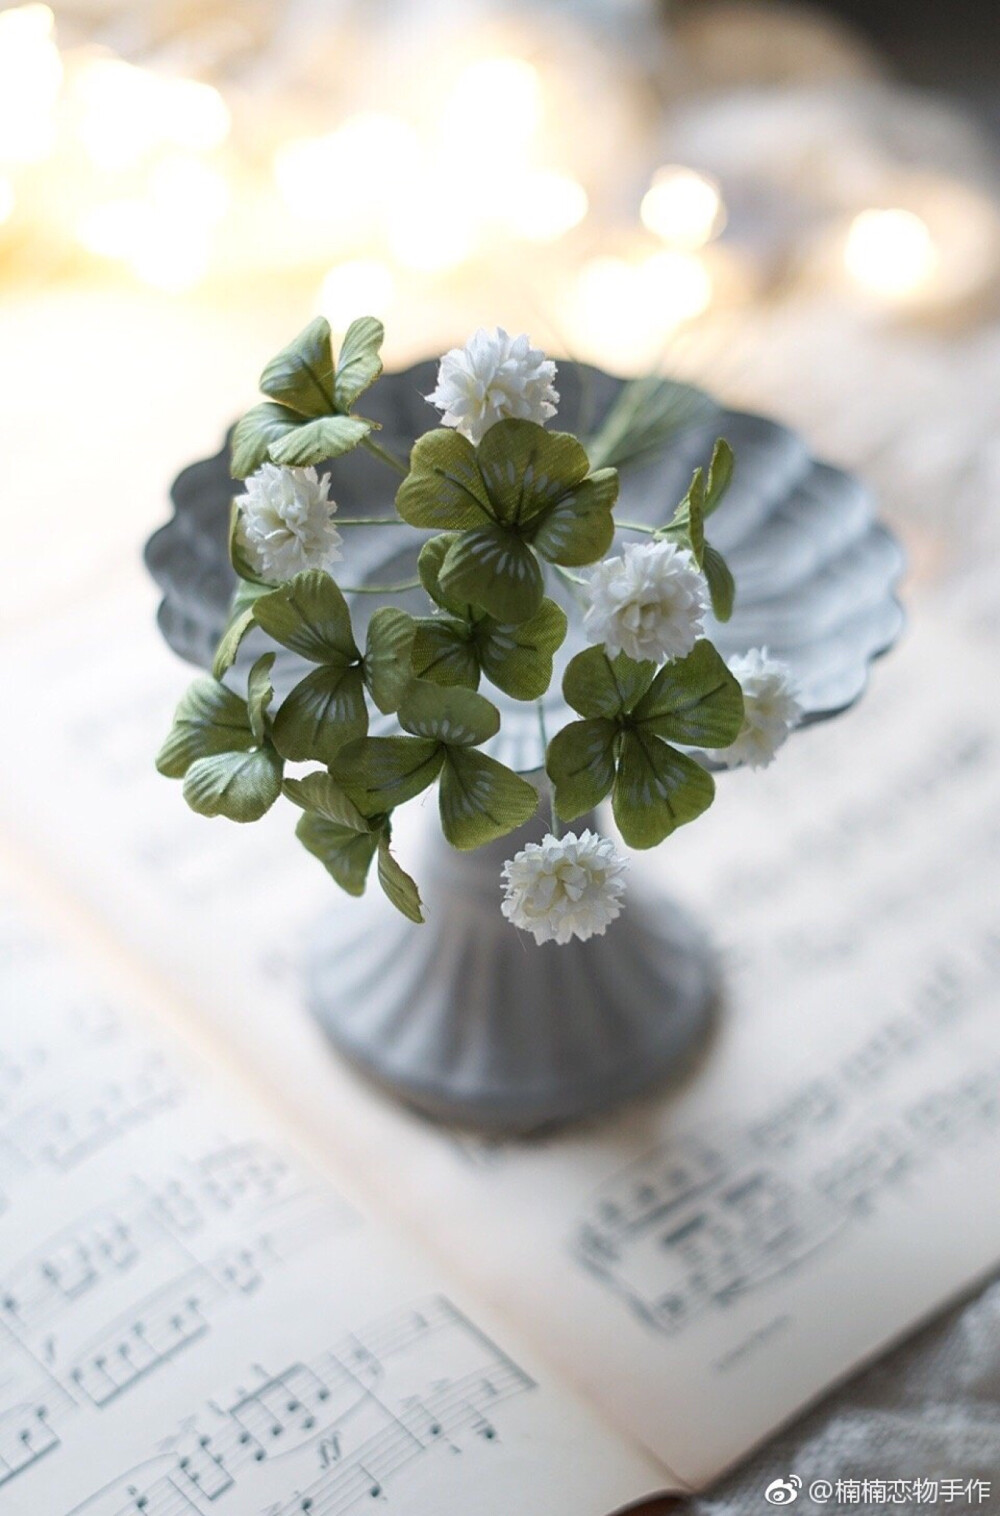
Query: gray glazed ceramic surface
[466, 1017]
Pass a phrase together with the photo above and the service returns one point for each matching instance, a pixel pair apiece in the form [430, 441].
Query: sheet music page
[193, 1321]
[709, 1261]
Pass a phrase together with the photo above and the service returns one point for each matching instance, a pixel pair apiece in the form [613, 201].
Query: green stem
[367, 520]
[380, 589]
[553, 818]
[636, 526]
[566, 574]
[383, 454]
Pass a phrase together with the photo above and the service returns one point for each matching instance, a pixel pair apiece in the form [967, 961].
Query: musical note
[25, 1437]
[350, 1442]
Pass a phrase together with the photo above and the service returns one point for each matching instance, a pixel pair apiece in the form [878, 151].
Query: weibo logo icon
[783, 1491]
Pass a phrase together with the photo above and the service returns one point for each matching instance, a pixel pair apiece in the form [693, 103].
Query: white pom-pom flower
[771, 709]
[564, 887]
[649, 603]
[286, 522]
[492, 377]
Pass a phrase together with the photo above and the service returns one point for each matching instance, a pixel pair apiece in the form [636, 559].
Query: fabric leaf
[345, 853]
[320, 792]
[301, 375]
[309, 615]
[241, 619]
[481, 800]
[453, 717]
[380, 773]
[581, 764]
[596, 685]
[580, 528]
[494, 568]
[358, 363]
[209, 719]
[721, 584]
[429, 565]
[444, 653]
[656, 790]
[238, 785]
[260, 694]
[237, 556]
[312, 442]
[444, 488]
[517, 657]
[323, 713]
[527, 469]
[720, 475]
[397, 885]
[254, 434]
[386, 665]
[695, 701]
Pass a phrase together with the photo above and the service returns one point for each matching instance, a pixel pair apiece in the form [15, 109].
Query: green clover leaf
[632, 714]
[221, 747]
[523, 494]
[457, 648]
[479, 798]
[345, 842]
[327, 709]
[306, 418]
[241, 619]
[687, 527]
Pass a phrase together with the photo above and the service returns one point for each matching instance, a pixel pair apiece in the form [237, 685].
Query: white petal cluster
[492, 377]
[286, 522]
[649, 603]
[772, 710]
[564, 887]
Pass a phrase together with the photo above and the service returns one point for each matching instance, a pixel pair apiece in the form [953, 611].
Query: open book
[235, 1281]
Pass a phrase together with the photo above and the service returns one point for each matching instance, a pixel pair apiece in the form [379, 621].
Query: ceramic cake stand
[466, 1017]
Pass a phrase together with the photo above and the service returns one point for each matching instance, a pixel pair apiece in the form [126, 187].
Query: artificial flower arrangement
[507, 507]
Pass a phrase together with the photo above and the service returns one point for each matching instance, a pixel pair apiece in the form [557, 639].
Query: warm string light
[126, 113]
[890, 253]
[382, 200]
[31, 74]
[623, 310]
[683, 208]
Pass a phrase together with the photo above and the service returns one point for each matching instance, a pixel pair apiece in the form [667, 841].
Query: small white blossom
[564, 887]
[286, 522]
[772, 710]
[649, 603]
[494, 376]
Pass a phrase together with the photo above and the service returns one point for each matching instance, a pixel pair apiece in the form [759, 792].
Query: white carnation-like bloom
[286, 522]
[494, 376]
[649, 603]
[771, 709]
[564, 887]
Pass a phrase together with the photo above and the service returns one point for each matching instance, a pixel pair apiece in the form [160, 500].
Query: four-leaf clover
[307, 417]
[465, 642]
[522, 494]
[632, 715]
[327, 708]
[479, 799]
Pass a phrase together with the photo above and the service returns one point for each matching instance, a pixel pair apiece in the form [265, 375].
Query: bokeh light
[31, 73]
[683, 208]
[890, 252]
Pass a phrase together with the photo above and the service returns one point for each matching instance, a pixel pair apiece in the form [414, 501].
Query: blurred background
[797, 206]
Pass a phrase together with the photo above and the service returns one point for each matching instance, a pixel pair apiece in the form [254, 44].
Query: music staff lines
[699, 1222]
[343, 1427]
[103, 1303]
